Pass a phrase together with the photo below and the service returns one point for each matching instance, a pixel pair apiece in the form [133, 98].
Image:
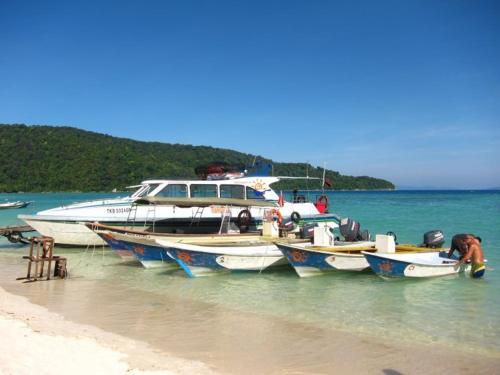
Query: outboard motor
[349, 229]
[287, 225]
[307, 231]
[365, 236]
[433, 239]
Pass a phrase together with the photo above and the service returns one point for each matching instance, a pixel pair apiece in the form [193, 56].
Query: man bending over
[469, 247]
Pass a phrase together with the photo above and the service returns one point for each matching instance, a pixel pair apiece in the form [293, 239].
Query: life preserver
[322, 204]
[295, 216]
[276, 213]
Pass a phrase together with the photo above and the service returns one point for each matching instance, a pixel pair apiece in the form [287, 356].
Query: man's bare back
[470, 249]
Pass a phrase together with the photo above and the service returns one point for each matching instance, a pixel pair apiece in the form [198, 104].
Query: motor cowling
[287, 225]
[349, 228]
[433, 239]
[307, 231]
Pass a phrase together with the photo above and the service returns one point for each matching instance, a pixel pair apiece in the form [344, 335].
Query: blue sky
[403, 90]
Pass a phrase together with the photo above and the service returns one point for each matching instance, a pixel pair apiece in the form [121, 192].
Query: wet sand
[34, 340]
[181, 335]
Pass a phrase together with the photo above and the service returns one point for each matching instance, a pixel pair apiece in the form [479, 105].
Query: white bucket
[385, 243]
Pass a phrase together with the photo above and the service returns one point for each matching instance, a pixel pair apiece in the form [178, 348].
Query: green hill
[48, 158]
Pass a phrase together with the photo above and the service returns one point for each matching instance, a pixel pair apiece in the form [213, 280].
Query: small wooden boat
[208, 258]
[422, 264]
[131, 244]
[146, 251]
[309, 260]
[16, 204]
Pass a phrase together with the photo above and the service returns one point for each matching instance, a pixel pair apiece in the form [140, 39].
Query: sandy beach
[34, 340]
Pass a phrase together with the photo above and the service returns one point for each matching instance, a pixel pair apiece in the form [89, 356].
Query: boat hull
[423, 265]
[18, 204]
[76, 233]
[120, 248]
[147, 252]
[311, 262]
[66, 233]
[199, 260]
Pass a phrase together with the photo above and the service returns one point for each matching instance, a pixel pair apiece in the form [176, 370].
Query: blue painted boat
[144, 250]
[120, 248]
[132, 244]
[309, 260]
[421, 264]
[209, 258]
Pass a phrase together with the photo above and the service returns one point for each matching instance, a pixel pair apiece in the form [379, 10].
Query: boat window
[200, 191]
[150, 189]
[145, 190]
[232, 191]
[254, 194]
[139, 191]
[173, 191]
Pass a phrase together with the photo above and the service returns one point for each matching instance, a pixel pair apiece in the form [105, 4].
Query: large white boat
[184, 214]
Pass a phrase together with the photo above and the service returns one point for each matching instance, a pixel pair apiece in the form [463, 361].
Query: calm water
[453, 312]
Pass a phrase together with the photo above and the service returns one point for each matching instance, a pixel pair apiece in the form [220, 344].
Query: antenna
[323, 184]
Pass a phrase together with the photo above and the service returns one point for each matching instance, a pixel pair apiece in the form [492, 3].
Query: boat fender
[295, 216]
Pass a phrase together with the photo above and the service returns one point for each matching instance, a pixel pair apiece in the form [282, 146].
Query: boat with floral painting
[355, 253]
[131, 244]
[415, 265]
[209, 258]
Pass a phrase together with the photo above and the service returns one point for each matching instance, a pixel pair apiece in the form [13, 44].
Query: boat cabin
[238, 188]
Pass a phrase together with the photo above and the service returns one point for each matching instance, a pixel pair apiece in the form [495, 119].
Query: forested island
[53, 158]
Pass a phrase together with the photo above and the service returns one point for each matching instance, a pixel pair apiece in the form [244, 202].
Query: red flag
[327, 183]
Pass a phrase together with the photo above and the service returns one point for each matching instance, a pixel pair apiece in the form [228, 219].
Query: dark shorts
[478, 270]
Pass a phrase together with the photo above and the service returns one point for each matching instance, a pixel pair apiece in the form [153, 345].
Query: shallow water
[165, 308]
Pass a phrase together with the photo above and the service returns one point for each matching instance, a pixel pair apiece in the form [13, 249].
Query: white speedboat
[17, 204]
[182, 209]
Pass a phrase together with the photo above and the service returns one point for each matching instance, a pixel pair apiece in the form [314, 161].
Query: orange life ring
[277, 213]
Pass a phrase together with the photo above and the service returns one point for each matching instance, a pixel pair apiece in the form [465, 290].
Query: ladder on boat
[225, 223]
[150, 214]
[196, 218]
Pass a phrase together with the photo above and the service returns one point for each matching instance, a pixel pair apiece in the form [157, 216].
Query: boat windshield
[144, 190]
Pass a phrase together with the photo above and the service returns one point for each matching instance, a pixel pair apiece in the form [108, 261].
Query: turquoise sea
[454, 312]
